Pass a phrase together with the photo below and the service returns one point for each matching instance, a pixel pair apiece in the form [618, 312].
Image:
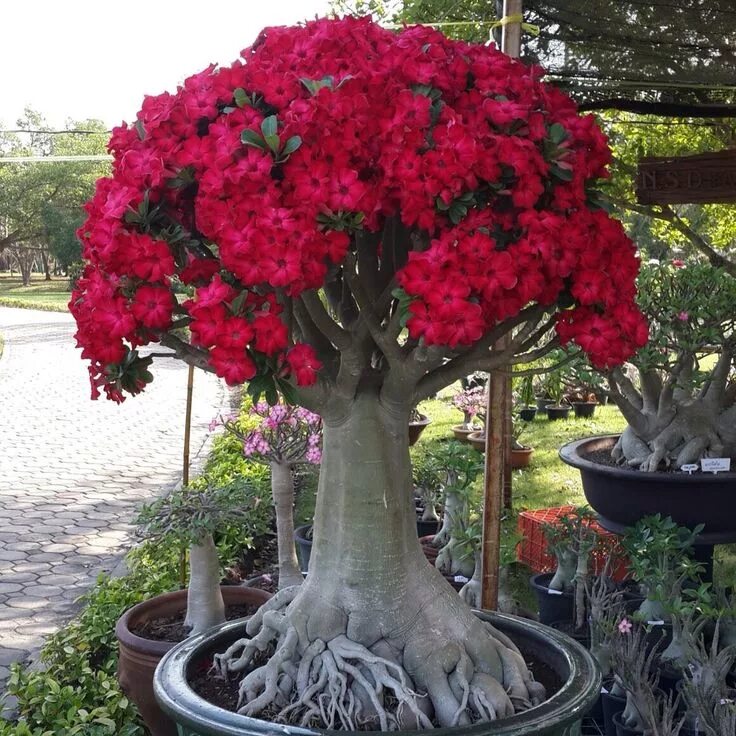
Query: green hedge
[77, 690]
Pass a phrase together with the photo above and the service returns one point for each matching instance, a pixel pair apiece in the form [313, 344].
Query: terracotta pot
[430, 551]
[521, 458]
[139, 657]
[478, 440]
[461, 433]
[416, 428]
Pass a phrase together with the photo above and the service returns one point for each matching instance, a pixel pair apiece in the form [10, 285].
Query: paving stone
[70, 487]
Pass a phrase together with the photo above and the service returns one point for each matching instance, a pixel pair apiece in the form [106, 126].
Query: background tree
[40, 203]
[361, 216]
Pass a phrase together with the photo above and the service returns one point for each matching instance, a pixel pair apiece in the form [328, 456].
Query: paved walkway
[74, 471]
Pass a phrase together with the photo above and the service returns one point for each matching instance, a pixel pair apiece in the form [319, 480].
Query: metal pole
[498, 418]
[187, 427]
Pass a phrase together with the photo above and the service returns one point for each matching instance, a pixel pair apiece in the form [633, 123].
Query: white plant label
[461, 579]
[553, 592]
[656, 623]
[715, 464]
[689, 468]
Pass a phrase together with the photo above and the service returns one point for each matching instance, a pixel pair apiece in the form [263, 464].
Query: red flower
[304, 364]
[232, 364]
[152, 307]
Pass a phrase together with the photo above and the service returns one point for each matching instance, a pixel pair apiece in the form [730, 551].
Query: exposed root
[338, 683]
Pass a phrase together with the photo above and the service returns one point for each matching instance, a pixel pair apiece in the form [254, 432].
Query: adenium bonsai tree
[192, 517]
[682, 405]
[358, 217]
[284, 437]
[472, 403]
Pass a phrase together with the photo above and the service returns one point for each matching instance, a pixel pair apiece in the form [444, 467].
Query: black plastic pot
[553, 605]
[584, 408]
[621, 496]
[622, 730]
[582, 636]
[559, 716]
[425, 528]
[302, 538]
[542, 404]
[612, 705]
[558, 412]
[528, 413]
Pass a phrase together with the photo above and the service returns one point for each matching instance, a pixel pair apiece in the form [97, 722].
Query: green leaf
[291, 145]
[140, 129]
[287, 391]
[272, 396]
[557, 133]
[273, 142]
[269, 126]
[250, 138]
[241, 97]
[237, 304]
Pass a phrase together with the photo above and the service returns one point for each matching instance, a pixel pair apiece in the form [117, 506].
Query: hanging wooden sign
[703, 178]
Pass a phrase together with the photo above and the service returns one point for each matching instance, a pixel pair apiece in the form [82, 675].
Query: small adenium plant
[285, 436]
[472, 402]
[191, 517]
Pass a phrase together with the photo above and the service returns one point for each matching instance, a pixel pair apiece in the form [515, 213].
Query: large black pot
[559, 716]
[621, 496]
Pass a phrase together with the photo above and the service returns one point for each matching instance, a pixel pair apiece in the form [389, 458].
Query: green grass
[51, 296]
[547, 481]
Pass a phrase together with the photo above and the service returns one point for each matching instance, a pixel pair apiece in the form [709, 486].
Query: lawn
[547, 481]
[51, 295]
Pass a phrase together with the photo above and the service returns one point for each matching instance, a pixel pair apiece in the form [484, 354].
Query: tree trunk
[282, 490]
[45, 261]
[205, 607]
[373, 618]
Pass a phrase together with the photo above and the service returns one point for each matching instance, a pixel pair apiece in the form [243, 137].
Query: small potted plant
[189, 517]
[472, 402]
[521, 455]
[418, 422]
[526, 408]
[555, 389]
[659, 559]
[561, 594]
[460, 467]
[427, 492]
[285, 436]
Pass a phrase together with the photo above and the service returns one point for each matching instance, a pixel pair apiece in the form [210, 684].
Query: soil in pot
[584, 409]
[558, 412]
[553, 605]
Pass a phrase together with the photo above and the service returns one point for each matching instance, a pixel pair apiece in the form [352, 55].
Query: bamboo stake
[187, 427]
[498, 415]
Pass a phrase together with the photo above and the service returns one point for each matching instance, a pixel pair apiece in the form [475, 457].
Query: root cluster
[337, 683]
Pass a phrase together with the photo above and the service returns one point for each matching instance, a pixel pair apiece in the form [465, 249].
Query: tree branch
[322, 320]
[190, 354]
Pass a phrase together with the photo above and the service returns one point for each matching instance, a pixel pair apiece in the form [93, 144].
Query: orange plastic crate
[532, 550]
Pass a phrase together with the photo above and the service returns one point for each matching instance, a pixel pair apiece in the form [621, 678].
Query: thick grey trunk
[373, 607]
[282, 491]
[205, 607]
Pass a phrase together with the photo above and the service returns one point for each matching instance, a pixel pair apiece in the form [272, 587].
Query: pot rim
[155, 646]
[525, 450]
[423, 422]
[571, 701]
[571, 453]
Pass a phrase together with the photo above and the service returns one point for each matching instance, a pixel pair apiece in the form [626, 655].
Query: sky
[84, 59]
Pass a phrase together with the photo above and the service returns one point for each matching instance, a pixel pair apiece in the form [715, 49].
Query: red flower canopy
[248, 183]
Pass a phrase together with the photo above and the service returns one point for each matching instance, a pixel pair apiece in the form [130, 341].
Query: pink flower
[625, 626]
[683, 316]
